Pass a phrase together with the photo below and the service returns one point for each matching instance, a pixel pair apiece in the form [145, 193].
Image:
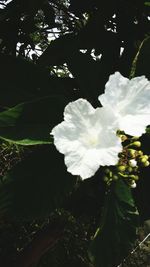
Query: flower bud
[123, 137]
[133, 184]
[132, 153]
[132, 163]
[121, 168]
[146, 157]
[143, 158]
[140, 153]
[115, 177]
[146, 164]
[129, 169]
[107, 171]
[136, 177]
[105, 178]
[136, 144]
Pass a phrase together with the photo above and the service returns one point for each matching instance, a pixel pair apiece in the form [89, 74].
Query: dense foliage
[53, 52]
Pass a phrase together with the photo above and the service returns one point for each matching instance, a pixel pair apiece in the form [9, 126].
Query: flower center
[90, 139]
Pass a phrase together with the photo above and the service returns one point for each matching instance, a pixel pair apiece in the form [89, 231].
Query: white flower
[87, 138]
[130, 101]
[133, 163]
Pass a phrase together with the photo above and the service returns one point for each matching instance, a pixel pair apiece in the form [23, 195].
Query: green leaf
[36, 186]
[141, 63]
[117, 231]
[30, 123]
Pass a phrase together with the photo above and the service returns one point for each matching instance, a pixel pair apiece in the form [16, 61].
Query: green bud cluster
[131, 159]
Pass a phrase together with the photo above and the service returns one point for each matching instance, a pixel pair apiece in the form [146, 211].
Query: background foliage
[53, 52]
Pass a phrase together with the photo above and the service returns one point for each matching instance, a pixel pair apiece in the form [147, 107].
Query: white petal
[130, 101]
[107, 118]
[65, 137]
[86, 162]
[66, 134]
[87, 137]
[134, 125]
[114, 90]
[77, 112]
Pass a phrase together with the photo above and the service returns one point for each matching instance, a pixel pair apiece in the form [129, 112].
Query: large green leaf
[30, 123]
[36, 186]
[117, 230]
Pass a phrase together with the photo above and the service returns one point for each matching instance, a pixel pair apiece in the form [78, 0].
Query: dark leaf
[23, 81]
[30, 123]
[58, 51]
[117, 231]
[87, 74]
[36, 186]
